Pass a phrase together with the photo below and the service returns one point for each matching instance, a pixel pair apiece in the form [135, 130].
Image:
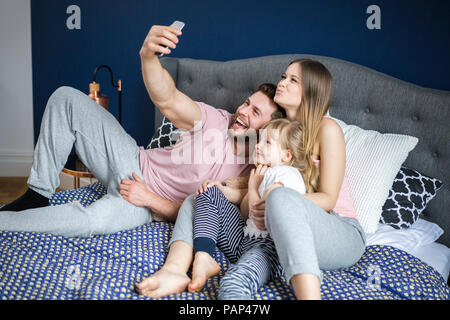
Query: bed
[45, 266]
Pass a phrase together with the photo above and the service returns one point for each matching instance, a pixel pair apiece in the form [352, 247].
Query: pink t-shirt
[344, 204]
[203, 152]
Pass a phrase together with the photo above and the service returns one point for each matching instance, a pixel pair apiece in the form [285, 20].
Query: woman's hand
[257, 210]
[135, 191]
[257, 176]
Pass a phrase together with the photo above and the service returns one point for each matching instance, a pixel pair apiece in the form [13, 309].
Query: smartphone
[176, 24]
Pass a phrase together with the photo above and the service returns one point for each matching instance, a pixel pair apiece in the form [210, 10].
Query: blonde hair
[317, 91]
[289, 135]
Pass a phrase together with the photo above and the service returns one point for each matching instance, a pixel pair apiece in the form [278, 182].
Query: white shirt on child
[290, 177]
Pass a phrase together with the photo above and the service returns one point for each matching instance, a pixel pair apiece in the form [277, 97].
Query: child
[218, 222]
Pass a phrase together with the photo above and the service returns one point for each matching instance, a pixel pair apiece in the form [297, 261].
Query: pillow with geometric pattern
[166, 135]
[408, 197]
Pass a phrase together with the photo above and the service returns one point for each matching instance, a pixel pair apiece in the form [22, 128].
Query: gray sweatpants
[72, 118]
[306, 237]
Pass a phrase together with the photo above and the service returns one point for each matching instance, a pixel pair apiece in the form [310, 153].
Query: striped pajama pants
[218, 222]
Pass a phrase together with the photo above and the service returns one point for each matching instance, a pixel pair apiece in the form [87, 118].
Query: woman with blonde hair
[318, 230]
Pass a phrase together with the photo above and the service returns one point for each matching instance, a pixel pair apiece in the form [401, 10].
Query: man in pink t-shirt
[141, 184]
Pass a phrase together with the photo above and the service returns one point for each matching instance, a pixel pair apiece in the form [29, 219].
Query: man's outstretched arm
[181, 110]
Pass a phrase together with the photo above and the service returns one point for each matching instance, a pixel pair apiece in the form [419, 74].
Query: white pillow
[421, 233]
[373, 161]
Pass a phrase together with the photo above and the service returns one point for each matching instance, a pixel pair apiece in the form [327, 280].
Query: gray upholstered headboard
[362, 96]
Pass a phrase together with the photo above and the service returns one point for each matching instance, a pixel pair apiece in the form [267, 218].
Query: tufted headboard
[362, 96]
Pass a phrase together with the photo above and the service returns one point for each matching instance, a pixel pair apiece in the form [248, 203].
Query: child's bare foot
[162, 283]
[203, 268]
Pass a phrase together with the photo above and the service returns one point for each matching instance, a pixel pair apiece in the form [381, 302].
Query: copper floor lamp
[101, 99]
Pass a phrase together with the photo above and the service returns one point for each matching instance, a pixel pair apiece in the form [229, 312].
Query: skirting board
[15, 164]
[19, 165]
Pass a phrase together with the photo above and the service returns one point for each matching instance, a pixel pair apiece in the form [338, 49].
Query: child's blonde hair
[289, 135]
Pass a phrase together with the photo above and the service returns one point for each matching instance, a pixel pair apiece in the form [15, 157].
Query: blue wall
[413, 44]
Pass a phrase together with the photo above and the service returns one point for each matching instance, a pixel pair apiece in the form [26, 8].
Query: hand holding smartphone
[177, 25]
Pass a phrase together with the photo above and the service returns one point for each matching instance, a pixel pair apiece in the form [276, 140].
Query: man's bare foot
[203, 268]
[162, 283]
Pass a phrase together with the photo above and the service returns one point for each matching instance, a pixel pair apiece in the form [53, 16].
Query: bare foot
[203, 268]
[162, 283]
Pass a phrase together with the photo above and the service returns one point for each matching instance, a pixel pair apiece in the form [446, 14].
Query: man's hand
[135, 191]
[181, 110]
[234, 195]
[257, 176]
[207, 184]
[158, 38]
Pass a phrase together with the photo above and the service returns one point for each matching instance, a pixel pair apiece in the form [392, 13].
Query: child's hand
[257, 176]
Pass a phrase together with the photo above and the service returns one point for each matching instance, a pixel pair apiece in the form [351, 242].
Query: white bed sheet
[436, 255]
[419, 240]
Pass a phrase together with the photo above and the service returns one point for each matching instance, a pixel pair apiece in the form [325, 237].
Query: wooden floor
[12, 188]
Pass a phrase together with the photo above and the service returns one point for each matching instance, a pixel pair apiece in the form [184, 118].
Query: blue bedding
[45, 266]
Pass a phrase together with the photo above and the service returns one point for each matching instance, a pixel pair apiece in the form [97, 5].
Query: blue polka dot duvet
[45, 266]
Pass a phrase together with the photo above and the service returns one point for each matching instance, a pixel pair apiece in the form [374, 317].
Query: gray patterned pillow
[166, 135]
[408, 197]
